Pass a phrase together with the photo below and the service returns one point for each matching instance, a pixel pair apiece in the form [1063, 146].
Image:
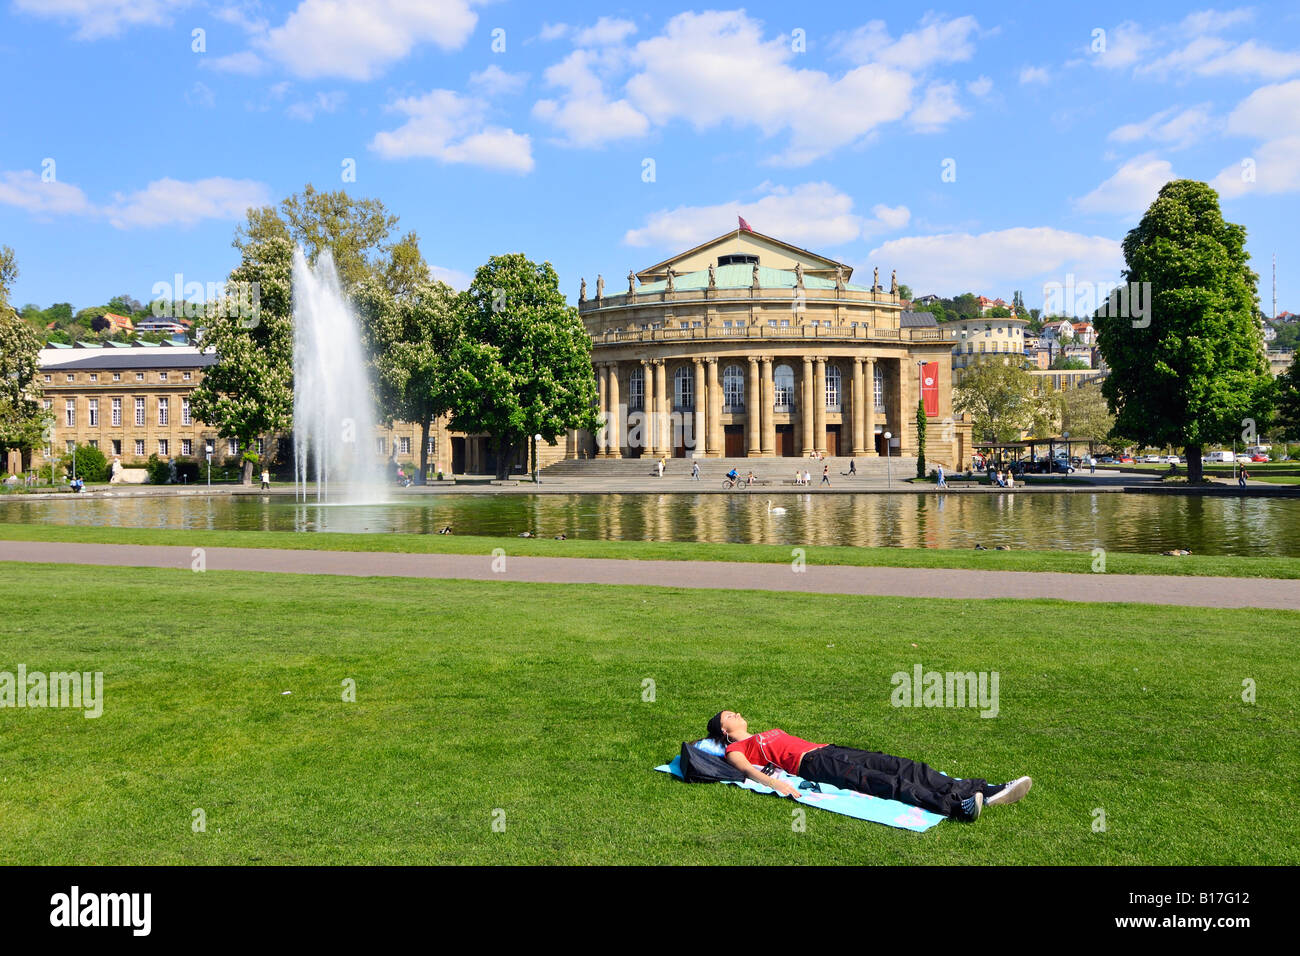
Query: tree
[87, 462]
[999, 399]
[523, 365]
[1194, 370]
[23, 421]
[999, 312]
[412, 338]
[355, 230]
[1018, 304]
[248, 393]
[920, 438]
[905, 291]
[966, 305]
[1084, 414]
[1061, 363]
[1288, 401]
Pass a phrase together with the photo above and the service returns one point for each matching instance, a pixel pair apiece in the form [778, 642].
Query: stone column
[819, 405]
[768, 423]
[753, 404]
[602, 399]
[648, 419]
[663, 405]
[859, 407]
[613, 440]
[806, 410]
[715, 446]
[701, 396]
[869, 407]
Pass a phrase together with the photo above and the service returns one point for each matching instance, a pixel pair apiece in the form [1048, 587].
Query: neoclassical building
[747, 346]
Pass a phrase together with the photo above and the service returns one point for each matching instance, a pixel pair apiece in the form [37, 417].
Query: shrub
[92, 466]
[187, 470]
[159, 471]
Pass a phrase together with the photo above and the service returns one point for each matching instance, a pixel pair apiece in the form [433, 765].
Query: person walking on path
[659, 466]
[866, 771]
[853, 467]
[807, 477]
[266, 479]
[826, 474]
[695, 471]
[1242, 475]
[943, 483]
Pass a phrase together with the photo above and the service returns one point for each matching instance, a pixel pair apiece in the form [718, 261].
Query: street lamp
[537, 476]
[889, 474]
[208, 447]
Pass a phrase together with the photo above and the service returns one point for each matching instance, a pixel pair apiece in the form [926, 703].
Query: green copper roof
[742, 277]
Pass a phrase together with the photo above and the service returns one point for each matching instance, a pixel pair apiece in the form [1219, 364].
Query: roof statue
[713, 277]
[631, 282]
[875, 279]
[600, 286]
[582, 291]
[798, 274]
[839, 278]
[893, 282]
[755, 275]
[671, 275]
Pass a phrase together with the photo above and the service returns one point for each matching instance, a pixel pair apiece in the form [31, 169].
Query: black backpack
[700, 767]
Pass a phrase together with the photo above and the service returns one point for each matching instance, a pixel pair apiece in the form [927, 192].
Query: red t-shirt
[773, 746]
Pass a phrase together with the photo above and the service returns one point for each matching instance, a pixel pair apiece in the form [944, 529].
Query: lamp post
[889, 474]
[537, 474]
[208, 448]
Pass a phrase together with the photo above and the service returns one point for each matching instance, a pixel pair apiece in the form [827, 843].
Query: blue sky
[984, 147]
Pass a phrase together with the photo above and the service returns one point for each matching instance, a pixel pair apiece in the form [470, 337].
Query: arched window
[880, 386]
[783, 386]
[684, 388]
[636, 389]
[832, 386]
[733, 387]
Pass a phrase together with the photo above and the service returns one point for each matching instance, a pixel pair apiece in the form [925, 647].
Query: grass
[1065, 561]
[473, 697]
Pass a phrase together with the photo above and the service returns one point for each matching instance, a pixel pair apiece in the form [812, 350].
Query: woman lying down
[877, 774]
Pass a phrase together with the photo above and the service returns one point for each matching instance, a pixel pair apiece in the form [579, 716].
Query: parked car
[1219, 456]
[1107, 460]
[1259, 458]
[1243, 459]
[1171, 460]
[1125, 460]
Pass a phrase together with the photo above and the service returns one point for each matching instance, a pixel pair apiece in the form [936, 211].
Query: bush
[159, 471]
[187, 470]
[92, 466]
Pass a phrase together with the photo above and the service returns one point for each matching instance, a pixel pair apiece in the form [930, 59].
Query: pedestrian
[1241, 477]
[942, 482]
[826, 474]
[695, 471]
[660, 466]
[807, 477]
[853, 467]
[266, 479]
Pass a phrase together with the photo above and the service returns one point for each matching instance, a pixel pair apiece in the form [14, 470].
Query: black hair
[716, 733]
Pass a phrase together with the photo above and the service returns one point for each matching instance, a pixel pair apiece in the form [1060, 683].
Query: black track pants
[894, 778]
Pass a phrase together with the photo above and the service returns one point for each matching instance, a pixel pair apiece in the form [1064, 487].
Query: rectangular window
[117, 376]
[162, 447]
[162, 411]
[72, 445]
[139, 412]
[71, 377]
[93, 412]
[47, 378]
[162, 376]
[139, 376]
[94, 443]
[381, 446]
[232, 447]
[70, 412]
[117, 446]
[185, 412]
[771, 323]
[117, 413]
[185, 376]
[261, 446]
[187, 446]
[94, 377]
[139, 446]
[404, 446]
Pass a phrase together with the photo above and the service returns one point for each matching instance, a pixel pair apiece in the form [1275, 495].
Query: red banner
[930, 388]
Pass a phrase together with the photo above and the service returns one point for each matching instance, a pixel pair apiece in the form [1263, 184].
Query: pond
[1142, 523]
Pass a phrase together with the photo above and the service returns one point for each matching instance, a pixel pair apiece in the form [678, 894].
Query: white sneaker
[1011, 792]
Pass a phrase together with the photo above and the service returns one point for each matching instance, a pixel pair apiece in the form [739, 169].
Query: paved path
[816, 579]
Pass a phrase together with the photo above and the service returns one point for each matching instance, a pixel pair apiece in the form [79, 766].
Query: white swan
[774, 511]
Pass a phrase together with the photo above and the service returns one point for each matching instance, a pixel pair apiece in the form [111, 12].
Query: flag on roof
[744, 225]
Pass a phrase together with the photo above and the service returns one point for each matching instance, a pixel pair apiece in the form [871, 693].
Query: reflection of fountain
[333, 407]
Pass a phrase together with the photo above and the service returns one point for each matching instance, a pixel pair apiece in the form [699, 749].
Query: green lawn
[474, 696]
[1068, 561]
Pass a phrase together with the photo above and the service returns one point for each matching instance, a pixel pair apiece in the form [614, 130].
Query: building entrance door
[785, 441]
[733, 441]
[833, 441]
[458, 456]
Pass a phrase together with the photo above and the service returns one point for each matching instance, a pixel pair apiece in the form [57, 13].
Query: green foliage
[1197, 373]
[920, 438]
[23, 421]
[523, 363]
[160, 472]
[999, 398]
[1288, 401]
[91, 464]
[1061, 363]
[999, 312]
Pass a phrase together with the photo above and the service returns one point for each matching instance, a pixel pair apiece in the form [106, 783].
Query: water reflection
[1119, 522]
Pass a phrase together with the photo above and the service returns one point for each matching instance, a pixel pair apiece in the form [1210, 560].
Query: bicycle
[730, 483]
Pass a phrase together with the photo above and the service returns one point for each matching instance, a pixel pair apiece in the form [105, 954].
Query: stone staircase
[714, 469]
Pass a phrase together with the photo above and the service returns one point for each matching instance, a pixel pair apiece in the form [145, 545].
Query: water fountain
[333, 406]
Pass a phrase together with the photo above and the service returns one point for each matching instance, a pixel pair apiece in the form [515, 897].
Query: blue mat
[850, 803]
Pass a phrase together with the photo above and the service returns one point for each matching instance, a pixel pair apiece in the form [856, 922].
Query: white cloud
[939, 108]
[1214, 21]
[980, 86]
[1271, 114]
[605, 31]
[167, 202]
[495, 81]
[1125, 45]
[307, 110]
[1034, 74]
[1209, 56]
[453, 277]
[358, 39]
[104, 18]
[553, 31]
[245, 63]
[451, 128]
[1018, 258]
[1177, 128]
[810, 214]
[24, 189]
[201, 95]
[952, 39]
[1131, 189]
[585, 115]
[245, 16]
